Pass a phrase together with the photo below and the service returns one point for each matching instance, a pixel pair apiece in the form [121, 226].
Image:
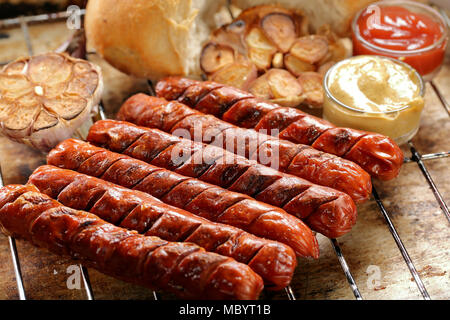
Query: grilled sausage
[136, 210]
[184, 269]
[323, 209]
[300, 160]
[203, 199]
[375, 153]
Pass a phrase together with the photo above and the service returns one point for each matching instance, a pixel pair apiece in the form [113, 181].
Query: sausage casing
[377, 154]
[300, 160]
[135, 210]
[323, 209]
[203, 199]
[184, 269]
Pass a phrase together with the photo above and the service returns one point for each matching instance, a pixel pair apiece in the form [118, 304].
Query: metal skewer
[15, 258]
[84, 272]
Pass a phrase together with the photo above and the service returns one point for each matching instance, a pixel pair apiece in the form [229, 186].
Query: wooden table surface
[369, 249]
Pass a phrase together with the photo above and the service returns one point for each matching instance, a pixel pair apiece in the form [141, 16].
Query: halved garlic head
[44, 99]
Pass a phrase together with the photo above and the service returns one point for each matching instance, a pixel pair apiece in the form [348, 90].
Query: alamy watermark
[375, 18]
[73, 21]
[73, 281]
[374, 277]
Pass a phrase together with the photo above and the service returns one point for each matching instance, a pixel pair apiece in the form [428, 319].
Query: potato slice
[292, 101]
[280, 29]
[254, 14]
[283, 84]
[297, 66]
[277, 61]
[256, 39]
[325, 30]
[44, 99]
[323, 69]
[261, 88]
[341, 49]
[231, 35]
[260, 49]
[302, 25]
[261, 58]
[238, 75]
[278, 86]
[215, 56]
[310, 49]
[326, 58]
[311, 83]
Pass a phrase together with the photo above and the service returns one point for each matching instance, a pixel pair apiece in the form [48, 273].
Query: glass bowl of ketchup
[409, 31]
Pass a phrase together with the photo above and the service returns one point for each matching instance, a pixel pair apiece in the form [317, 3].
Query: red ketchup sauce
[414, 36]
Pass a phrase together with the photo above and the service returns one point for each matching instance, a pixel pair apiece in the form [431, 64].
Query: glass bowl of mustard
[374, 93]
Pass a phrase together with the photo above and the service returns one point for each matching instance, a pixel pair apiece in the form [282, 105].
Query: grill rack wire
[24, 21]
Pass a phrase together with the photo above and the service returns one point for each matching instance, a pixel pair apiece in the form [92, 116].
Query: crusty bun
[155, 38]
[151, 38]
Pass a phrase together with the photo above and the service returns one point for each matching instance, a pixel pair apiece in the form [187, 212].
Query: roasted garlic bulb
[46, 98]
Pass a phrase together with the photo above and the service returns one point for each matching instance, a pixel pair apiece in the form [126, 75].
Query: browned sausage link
[184, 269]
[325, 210]
[139, 211]
[174, 88]
[375, 153]
[194, 94]
[300, 160]
[203, 199]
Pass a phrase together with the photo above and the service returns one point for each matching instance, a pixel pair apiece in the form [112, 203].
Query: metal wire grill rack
[419, 159]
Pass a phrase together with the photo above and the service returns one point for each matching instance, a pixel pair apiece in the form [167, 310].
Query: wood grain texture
[409, 200]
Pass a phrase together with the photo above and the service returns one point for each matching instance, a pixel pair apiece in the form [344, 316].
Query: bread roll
[156, 38]
[151, 38]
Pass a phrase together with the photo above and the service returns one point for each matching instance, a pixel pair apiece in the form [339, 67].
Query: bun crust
[156, 38]
[149, 38]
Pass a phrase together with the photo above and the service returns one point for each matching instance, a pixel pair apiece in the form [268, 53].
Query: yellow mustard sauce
[375, 94]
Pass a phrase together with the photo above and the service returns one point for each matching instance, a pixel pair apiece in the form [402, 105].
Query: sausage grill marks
[323, 209]
[375, 153]
[300, 160]
[203, 199]
[184, 269]
[136, 210]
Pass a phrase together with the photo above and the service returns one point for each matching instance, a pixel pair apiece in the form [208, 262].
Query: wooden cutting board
[371, 253]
